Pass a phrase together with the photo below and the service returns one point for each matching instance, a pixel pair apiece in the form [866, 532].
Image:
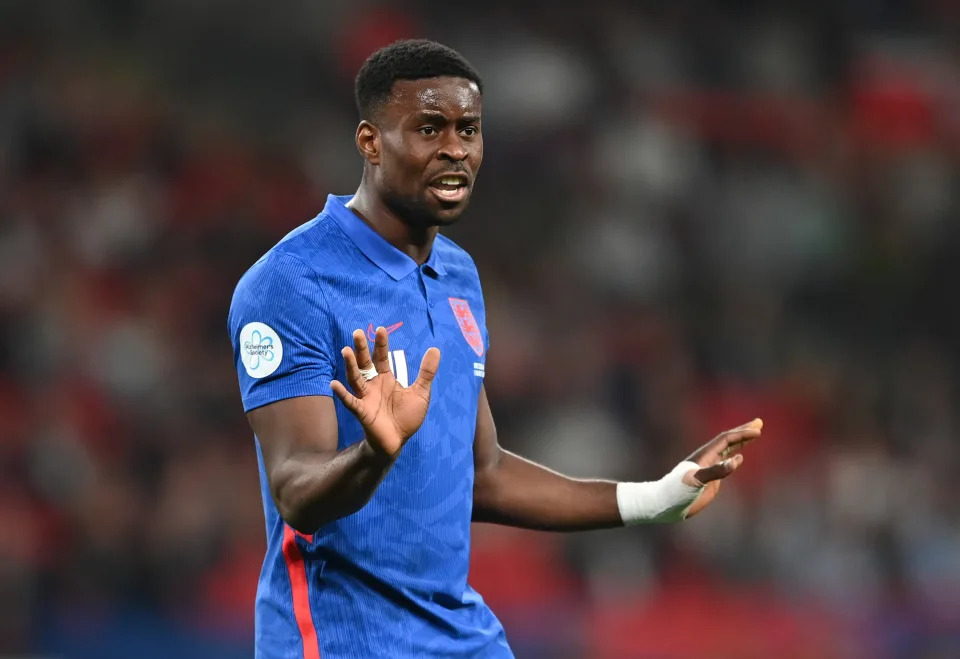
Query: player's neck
[415, 242]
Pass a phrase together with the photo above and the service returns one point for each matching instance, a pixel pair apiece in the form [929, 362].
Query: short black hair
[410, 59]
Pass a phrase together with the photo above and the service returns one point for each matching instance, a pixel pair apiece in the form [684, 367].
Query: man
[370, 477]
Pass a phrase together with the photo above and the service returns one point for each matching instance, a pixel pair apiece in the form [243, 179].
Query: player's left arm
[513, 491]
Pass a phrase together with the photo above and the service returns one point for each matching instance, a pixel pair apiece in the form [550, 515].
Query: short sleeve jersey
[391, 579]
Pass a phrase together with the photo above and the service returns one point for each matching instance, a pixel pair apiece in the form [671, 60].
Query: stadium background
[688, 217]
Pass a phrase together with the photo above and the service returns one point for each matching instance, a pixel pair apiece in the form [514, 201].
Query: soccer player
[371, 472]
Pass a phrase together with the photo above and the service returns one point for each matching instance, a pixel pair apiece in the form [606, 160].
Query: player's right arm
[313, 483]
[286, 354]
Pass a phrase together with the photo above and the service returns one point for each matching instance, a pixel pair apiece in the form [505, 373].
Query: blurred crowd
[690, 215]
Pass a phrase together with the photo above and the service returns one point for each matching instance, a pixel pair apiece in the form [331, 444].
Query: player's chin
[447, 211]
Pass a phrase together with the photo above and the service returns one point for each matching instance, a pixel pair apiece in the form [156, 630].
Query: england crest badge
[468, 324]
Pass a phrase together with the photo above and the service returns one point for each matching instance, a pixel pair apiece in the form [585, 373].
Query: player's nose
[452, 148]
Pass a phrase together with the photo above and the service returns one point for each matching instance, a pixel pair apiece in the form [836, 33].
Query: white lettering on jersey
[398, 366]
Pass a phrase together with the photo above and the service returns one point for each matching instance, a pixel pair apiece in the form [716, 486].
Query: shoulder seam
[458, 250]
[308, 266]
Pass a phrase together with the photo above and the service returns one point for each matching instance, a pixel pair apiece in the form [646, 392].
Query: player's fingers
[381, 351]
[350, 401]
[735, 448]
[750, 426]
[719, 446]
[750, 430]
[361, 349]
[428, 369]
[719, 470]
[354, 377]
[756, 423]
[736, 437]
[730, 440]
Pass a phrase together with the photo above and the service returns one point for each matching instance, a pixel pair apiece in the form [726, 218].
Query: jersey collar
[387, 257]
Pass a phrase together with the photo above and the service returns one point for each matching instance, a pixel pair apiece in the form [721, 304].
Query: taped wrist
[665, 500]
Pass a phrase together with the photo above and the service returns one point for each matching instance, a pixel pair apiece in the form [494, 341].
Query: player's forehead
[447, 94]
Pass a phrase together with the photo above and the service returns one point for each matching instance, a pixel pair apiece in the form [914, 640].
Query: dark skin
[429, 129]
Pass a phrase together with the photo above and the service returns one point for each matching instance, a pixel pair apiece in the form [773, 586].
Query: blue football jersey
[391, 579]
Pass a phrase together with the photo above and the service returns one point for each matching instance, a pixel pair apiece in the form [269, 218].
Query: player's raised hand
[388, 412]
[719, 458]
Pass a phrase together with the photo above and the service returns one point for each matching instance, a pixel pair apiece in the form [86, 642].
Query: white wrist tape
[665, 500]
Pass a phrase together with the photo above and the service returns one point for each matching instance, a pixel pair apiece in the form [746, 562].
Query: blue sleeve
[282, 332]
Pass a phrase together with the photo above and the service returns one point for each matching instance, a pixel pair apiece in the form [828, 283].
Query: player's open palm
[389, 413]
[716, 462]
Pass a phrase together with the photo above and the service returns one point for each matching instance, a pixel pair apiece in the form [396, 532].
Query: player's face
[430, 149]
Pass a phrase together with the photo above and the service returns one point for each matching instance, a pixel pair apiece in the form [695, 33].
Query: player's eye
[470, 131]
[427, 130]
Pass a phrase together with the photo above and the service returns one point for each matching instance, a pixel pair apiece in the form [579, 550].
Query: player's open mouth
[450, 188]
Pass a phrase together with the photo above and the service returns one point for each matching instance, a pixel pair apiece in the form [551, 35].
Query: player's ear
[368, 142]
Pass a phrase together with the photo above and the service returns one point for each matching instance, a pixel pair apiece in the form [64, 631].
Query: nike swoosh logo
[372, 333]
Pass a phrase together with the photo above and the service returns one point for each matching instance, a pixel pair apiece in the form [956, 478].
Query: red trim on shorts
[301, 596]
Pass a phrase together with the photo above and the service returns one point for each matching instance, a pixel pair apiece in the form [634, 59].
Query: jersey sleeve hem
[319, 387]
